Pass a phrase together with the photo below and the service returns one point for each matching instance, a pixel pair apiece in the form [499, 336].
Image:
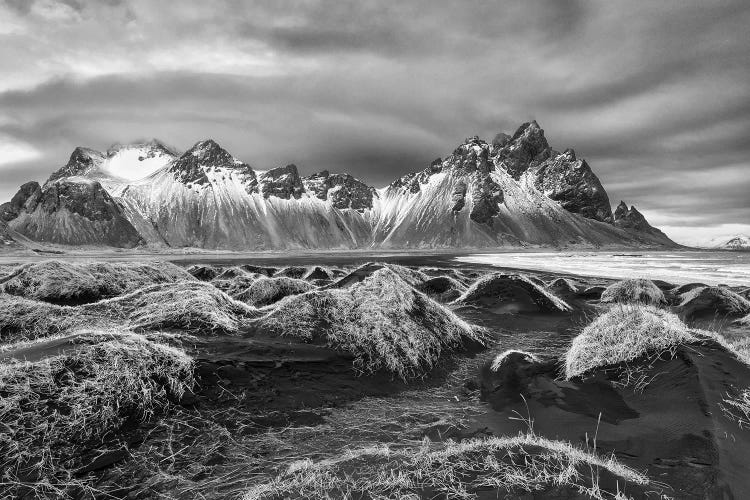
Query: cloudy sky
[655, 95]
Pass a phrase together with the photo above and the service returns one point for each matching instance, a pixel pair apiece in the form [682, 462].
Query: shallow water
[713, 268]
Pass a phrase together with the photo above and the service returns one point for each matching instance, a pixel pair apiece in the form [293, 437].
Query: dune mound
[194, 307]
[511, 293]
[22, 318]
[266, 291]
[622, 334]
[411, 276]
[296, 272]
[638, 291]
[266, 271]
[503, 467]
[203, 272]
[563, 286]
[61, 415]
[713, 300]
[592, 292]
[442, 288]
[188, 306]
[237, 284]
[317, 273]
[230, 273]
[382, 321]
[75, 283]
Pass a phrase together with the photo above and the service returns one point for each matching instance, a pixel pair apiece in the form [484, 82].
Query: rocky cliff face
[514, 191]
[634, 222]
[343, 190]
[570, 182]
[282, 182]
[72, 211]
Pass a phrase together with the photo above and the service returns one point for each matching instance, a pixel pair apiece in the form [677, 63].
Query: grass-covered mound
[60, 414]
[188, 306]
[382, 321]
[204, 272]
[511, 357]
[266, 291]
[502, 288]
[411, 276]
[75, 283]
[23, 319]
[625, 333]
[711, 301]
[442, 288]
[635, 291]
[296, 272]
[563, 285]
[318, 273]
[515, 467]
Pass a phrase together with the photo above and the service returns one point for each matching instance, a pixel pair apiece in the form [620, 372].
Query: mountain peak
[527, 147]
[191, 167]
[82, 161]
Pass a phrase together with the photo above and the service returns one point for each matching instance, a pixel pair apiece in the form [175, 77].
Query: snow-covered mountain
[739, 242]
[515, 191]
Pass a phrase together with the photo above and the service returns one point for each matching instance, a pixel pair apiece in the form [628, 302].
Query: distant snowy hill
[515, 191]
[739, 242]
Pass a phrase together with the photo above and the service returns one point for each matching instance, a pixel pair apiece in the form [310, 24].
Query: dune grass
[22, 319]
[266, 291]
[382, 321]
[504, 357]
[55, 411]
[70, 282]
[737, 408]
[712, 300]
[188, 306]
[564, 285]
[502, 284]
[638, 291]
[624, 333]
[511, 465]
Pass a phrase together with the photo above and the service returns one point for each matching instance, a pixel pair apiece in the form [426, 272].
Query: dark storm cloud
[656, 95]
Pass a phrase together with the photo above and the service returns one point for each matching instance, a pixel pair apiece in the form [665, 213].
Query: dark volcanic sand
[276, 400]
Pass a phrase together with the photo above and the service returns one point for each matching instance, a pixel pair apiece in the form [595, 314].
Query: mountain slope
[739, 242]
[514, 192]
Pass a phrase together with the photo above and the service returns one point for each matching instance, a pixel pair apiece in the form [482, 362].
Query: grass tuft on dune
[189, 306]
[635, 291]
[713, 300]
[266, 291]
[625, 333]
[508, 287]
[510, 465]
[382, 321]
[70, 282]
[60, 413]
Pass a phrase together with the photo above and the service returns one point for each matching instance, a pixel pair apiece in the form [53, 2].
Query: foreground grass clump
[637, 291]
[510, 465]
[712, 300]
[61, 413]
[188, 306]
[382, 321]
[511, 287]
[69, 282]
[23, 319]
[624, 333]
[265, 291]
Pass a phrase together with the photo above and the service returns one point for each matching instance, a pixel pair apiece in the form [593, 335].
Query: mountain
[515, 191]
[739, 242]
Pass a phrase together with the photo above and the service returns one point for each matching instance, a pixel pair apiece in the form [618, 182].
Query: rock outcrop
[526, 148]
[343, 190]
[72, 212]
[282, 182]
[571, 182]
